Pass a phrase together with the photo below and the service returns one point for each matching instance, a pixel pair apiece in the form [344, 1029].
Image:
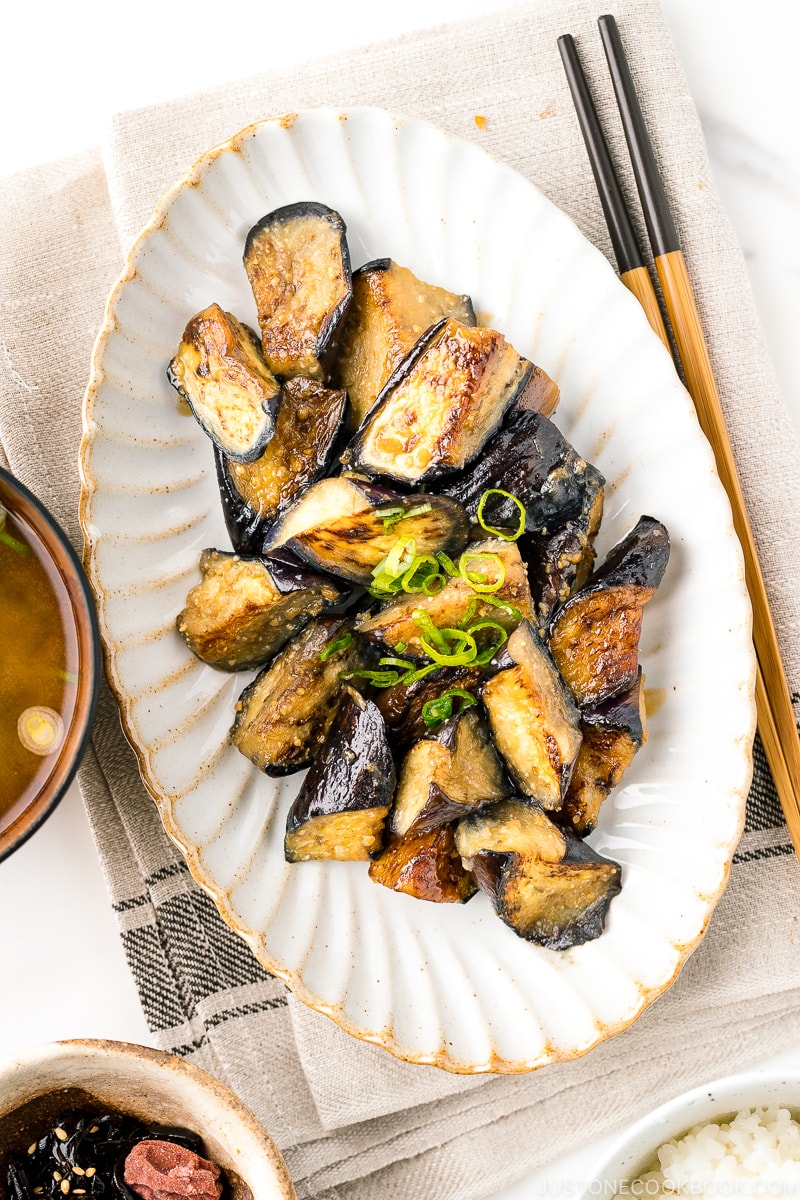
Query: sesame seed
[94, 1129]
[57, 1176]
[79, 1191]
[78, 1171]
[90, 1171]
[60, 1133]
[32, 1148]
[38, 1191]
[65, 1186]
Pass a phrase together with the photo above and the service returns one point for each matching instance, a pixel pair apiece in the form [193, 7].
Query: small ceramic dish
[51, 663]
[636, 1150]
[46, 1081]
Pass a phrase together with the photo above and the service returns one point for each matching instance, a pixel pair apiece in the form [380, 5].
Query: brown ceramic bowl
[31, 802]
[44, 1082]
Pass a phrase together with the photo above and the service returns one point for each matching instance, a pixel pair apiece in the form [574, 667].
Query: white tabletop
[68, 68]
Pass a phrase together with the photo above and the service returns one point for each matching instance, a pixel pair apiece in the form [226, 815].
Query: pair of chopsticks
[776, 722]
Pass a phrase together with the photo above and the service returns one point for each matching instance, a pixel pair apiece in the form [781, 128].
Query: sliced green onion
[496, 602]
[339, 643]
[439, 580]
[418, 510]
[436, 712]
[400, 647]
[409, 582]
[487, 654]
[478, 581]
[450, 567]
[420, 673]
[421, 618]
[380, 679]
[403, 663]
[6, 538]
[465, 652]
[507, 537]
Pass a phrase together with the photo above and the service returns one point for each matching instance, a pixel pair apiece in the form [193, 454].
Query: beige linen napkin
[353, 1122]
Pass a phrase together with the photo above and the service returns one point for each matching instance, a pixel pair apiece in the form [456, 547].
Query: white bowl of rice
[736, 1137]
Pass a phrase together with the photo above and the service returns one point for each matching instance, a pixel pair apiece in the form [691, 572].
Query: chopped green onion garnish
[436, 712]
[339, 643]
[380, 679]
[6, 538]
[428, 586]
[403, 663]
[422, 618]
[476, 580]
[462, 651]
[420, 673]
[501, 533]
[448, 564]
[400, 647]
[410, 581]
[487, 654]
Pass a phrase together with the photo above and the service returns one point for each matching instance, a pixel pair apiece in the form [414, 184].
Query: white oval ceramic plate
[443, 984]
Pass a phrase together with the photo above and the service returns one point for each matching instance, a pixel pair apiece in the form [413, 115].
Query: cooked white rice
[756, 1153]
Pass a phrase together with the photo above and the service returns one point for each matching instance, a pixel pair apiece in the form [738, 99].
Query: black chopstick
[776, 723]
[631, 264]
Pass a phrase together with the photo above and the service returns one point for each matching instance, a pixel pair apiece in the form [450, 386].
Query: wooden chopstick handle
[685, 321]
[639, 282]
[771, 741]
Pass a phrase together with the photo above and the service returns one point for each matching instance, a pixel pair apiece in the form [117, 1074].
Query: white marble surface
[67, 70]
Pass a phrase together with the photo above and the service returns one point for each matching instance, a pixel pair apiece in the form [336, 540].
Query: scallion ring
[477, 580]
[507, 537]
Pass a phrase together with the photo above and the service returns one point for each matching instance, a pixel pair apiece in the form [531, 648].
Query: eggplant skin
[594, 637]
[298, 264]
[220, 372]
[426, 866]
[394, 622]
[557, 905]
[613, 732]
[238, 617]
[560, 562]
[337, 527]
[390, 310]
[402, 704]
[448, 774]
[512, 826]
[530, 458]
[342, 805]
[440, 405]
[534, 720]
[254, 495]
[283, 716]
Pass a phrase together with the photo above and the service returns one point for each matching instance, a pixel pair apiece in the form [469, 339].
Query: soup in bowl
[49, 663]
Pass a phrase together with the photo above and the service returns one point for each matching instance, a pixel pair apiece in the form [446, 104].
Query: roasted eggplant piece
[594, 637]
[560, 561]
[440, 405]
[402, 704]
[554, 904]
[341, 808]
[541, 394]
[425, 865]
[447, 775]
[513, 826]
[390, 311]
[612, 734]
[282, 718]
[220, 372]
[298, 265]
[347, 527]
[254, 495]
[394, 623]
[530, 458]
[239, 616]
[534, 719]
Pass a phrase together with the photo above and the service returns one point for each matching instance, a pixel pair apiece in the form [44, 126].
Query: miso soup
[38, 665]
